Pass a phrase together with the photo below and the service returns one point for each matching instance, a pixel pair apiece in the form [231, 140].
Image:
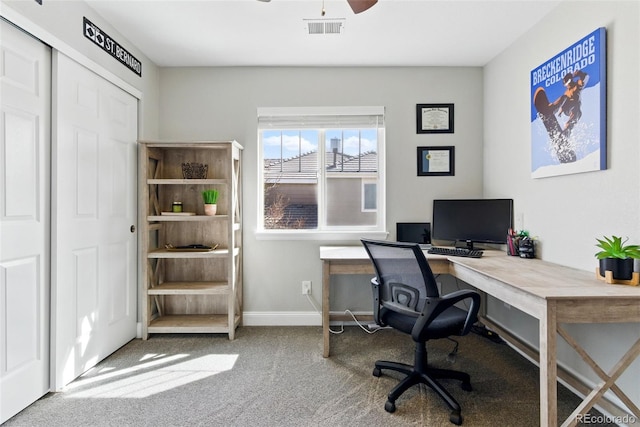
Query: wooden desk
[551, 293]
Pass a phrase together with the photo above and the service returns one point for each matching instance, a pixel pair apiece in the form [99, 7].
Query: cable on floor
[347, 311]
[315, 307]
[365, 328]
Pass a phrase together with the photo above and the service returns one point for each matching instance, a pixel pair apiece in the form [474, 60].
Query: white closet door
[94, 208]
[25, 94]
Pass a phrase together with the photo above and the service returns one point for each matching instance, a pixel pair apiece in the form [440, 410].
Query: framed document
[436, 161]
[434, 118]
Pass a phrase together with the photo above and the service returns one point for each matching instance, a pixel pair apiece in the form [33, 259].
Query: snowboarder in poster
[569, 101]
[568, 109]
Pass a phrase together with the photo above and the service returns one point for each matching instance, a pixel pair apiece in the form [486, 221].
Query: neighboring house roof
[303, 168]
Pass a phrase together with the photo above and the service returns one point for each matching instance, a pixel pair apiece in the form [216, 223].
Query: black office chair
[406, 298]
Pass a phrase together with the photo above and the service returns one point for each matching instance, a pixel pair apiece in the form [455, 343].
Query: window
[322, 169]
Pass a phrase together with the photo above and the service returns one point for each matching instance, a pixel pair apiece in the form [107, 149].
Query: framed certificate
[434, 118]
[436, 161]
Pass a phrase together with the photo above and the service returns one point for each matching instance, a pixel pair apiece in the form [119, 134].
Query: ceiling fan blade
[361, 5]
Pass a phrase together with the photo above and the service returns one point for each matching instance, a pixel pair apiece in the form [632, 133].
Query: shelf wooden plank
[165, 253]
[182, 144]
[185, 218]
[190, 323]
[180, 181]
[190, 288]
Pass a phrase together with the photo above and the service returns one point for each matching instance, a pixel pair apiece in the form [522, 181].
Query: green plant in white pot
[210, 198]
[616, 256]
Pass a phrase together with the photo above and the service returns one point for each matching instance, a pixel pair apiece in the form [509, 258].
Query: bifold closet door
[25, 111]
[94, 199]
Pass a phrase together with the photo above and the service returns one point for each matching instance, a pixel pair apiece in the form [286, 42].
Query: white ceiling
[174, 33]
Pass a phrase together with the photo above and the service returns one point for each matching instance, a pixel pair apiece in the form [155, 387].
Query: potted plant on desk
[617, 258]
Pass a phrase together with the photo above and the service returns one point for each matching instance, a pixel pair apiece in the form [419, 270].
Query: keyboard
[473, 253]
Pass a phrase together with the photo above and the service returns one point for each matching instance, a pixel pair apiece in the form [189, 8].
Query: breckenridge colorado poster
[568, 110]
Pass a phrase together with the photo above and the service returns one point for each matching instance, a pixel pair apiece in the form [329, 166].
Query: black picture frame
[436, 161]
[434, 118]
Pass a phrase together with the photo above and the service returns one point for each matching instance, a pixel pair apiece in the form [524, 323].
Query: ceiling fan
[357, 6]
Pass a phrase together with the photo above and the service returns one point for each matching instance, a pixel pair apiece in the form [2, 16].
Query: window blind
[320, 117]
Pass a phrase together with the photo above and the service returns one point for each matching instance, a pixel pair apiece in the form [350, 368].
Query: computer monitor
[413, 232]
[472, 220]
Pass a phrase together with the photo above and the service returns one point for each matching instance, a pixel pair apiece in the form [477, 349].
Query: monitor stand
[464, 244]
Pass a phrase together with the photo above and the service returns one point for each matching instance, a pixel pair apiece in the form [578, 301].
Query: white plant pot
[210, 209]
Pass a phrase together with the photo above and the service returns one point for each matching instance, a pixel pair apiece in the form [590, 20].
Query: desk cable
[368, 330]
[313, 303]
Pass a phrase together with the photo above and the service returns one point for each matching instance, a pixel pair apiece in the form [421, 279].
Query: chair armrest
[435, 306]
[472, 313]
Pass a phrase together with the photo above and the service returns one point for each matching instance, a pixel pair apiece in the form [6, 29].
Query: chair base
[427, 376]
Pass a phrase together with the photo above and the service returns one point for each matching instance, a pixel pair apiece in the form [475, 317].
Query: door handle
[133, 228]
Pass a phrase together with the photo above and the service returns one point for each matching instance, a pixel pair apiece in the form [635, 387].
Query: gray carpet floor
[276, 376]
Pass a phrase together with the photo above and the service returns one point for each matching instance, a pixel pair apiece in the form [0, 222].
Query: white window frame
[343, 233]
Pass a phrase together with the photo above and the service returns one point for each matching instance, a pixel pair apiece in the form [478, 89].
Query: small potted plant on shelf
[210, 198]
[617, 257]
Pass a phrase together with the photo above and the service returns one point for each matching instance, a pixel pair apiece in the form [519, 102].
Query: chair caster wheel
[377, 372]
[466, 386]
[390, 407]
[455, 418]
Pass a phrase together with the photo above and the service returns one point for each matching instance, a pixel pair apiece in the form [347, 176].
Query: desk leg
[326, 280]
[608, 379]
[548, 367]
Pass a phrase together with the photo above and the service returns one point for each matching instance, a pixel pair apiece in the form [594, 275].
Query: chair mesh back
[397, 263]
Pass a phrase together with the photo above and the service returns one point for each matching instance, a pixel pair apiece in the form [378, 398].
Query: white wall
[567, 213]
[221, 103]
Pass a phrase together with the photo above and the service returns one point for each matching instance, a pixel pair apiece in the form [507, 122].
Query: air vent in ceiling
[324, 26]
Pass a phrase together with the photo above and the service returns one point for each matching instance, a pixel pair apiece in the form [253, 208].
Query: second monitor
[414, 232]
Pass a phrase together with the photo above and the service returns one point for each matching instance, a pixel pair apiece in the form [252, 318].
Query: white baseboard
[272, 318]
[281, 318]
[295, 318]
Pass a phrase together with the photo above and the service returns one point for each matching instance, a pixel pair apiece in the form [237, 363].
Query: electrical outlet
[306, 287]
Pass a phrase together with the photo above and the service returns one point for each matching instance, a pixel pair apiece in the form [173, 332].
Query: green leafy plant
[210, 197]
[614, 247]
